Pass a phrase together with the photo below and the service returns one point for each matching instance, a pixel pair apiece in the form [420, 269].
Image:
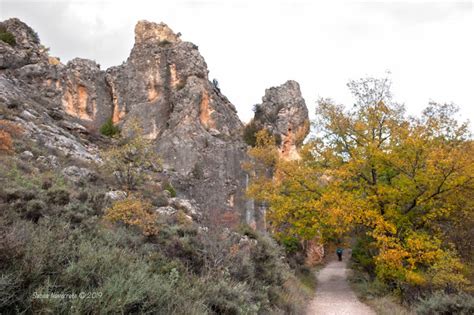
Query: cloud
[252, 45]
[420, 12]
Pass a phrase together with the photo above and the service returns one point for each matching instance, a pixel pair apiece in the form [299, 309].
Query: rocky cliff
[164, 86]
[284, 113]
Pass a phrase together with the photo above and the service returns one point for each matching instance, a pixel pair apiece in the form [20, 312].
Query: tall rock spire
[284, 113]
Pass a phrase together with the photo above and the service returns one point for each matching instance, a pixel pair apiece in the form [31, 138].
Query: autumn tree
[130, 158]
[401, 181]
[8, 131]
[136, 212]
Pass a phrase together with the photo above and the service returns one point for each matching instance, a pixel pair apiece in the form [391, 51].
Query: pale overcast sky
[252, 45]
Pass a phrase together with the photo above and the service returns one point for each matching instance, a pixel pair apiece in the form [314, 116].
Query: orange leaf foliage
[8, 130]
[134, 212]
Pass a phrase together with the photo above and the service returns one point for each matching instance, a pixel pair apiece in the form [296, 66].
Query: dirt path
[334, 295]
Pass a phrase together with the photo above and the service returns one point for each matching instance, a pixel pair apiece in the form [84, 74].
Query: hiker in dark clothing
[339, 254]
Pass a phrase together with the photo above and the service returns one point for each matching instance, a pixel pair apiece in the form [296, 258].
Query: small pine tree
[7, 37]
[109, 129]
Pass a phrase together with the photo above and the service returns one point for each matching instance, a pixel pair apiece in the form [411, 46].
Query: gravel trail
[334, 296]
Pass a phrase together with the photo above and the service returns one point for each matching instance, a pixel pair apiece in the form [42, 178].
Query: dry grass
[387, 305]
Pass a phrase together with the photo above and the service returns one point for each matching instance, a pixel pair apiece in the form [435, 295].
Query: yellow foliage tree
[405, 182]
[131, 158]
[134, 211]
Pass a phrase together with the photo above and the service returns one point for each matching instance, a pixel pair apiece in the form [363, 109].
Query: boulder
[49, 161]
[185, 205]
[26, 155]
[115, 195]
[168, 211]
[77, 174]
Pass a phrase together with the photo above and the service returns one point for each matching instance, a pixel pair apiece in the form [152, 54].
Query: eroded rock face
[284, 113]
[84, 93]
[163, 86]
[27, 49]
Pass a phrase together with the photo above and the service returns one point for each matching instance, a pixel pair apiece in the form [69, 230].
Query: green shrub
[170, 189]
[227, 297]
[363, 255]
[445, 304]
[58, 196]
[15, 193]
[159, 199]
[35, 210]
[250, 133]
[7, 37]
[248, 231]
[291, 244]
[109, 129]
[366, 287]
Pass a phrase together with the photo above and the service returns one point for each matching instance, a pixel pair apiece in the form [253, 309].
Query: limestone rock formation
[284, 113]
[84, 94]
[164, 86]
[27, 49]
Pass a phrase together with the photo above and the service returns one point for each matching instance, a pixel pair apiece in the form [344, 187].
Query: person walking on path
[339, 253]
[333, 295]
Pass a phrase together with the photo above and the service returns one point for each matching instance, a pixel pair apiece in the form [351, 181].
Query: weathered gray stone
[26, 155]
[116, 195]
[284, 113]
[27, 49]
[84, 93]
[185, 205]
[79, 174]
[168, 211]
[49, 161]
[164, 86]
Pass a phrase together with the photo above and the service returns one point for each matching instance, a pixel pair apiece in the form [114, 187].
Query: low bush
[8, 131]
[7, 37]
[250, 132]
[58, 196]
[445, 304]
[55, 240]
[134, 211]
[109, 129]
[35, 210]
[170, 189]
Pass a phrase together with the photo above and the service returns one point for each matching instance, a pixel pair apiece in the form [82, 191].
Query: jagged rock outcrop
[284, 113]
[84, 94]
[164, 86]
[27, 49]
[42, 118]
